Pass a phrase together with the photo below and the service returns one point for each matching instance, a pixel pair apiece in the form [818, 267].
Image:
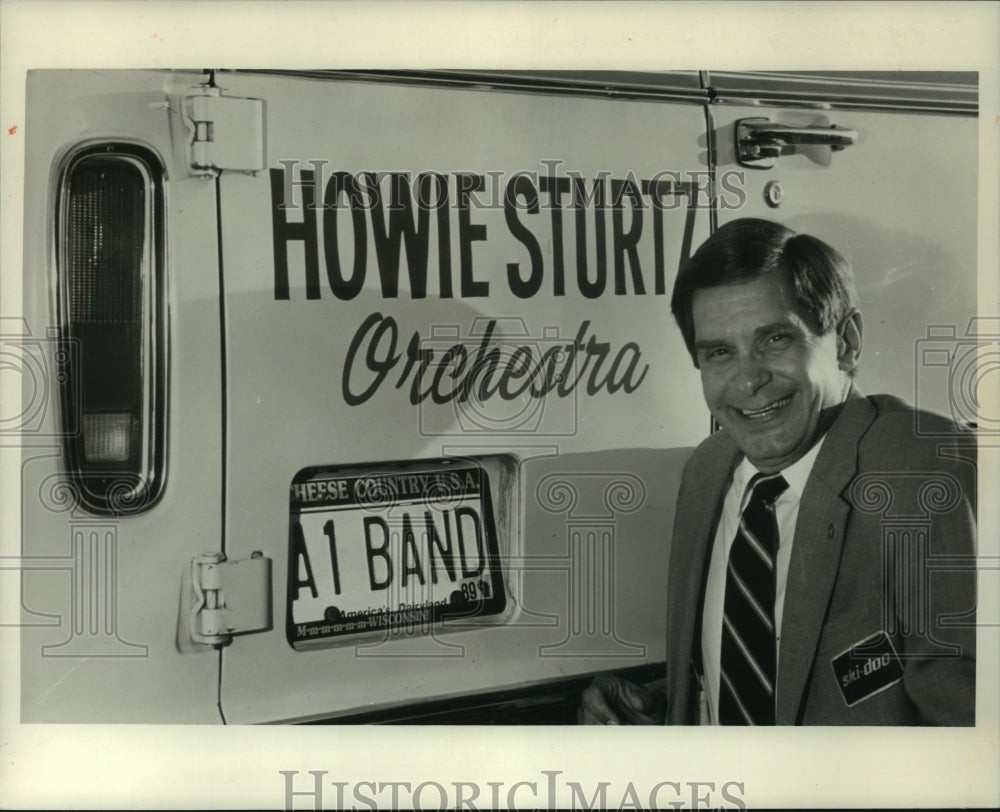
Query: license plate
[390, 551]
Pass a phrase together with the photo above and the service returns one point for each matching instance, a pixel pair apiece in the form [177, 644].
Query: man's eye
[717, 354]
[779, 339]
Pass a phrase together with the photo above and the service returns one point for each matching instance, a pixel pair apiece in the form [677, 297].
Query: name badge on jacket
[867, 668]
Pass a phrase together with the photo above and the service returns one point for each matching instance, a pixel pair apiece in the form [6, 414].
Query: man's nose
[752, 373]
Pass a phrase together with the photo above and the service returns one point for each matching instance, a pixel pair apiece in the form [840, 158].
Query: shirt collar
[795, 474]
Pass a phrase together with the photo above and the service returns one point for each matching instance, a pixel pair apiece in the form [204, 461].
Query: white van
[355, 396]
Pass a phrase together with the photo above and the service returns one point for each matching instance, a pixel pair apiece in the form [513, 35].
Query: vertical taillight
[110, 246]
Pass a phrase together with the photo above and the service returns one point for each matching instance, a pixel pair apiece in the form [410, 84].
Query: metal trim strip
[685, 89]
[831, 91]
[959, 95]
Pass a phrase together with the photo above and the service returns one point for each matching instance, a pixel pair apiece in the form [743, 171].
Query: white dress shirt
[786, 510]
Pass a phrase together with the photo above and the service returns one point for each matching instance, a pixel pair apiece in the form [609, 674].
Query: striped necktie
[749, 652]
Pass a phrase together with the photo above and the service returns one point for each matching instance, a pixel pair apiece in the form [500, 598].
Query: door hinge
[230, 597]
[227, 133]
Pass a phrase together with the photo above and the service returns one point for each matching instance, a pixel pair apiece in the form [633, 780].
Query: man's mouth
[766, 411]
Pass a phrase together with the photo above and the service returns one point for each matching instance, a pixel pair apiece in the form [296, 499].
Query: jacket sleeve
[929, 548]
[939, 619]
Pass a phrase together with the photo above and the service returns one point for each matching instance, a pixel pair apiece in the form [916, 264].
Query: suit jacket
[881, 576]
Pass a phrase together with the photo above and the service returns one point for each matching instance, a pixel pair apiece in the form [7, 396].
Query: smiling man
[804, 585]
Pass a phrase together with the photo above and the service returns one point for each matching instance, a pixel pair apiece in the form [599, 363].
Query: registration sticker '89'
[390, 550]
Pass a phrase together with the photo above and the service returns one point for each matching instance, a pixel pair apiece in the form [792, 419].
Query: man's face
[768, 378]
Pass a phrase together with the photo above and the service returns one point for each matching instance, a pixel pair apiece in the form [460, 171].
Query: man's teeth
[759, 413]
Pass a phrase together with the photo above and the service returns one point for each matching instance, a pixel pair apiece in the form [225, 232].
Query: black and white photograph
[499, 406]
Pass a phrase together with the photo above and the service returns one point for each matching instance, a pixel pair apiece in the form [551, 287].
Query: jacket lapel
[697, 515]
[819, 539]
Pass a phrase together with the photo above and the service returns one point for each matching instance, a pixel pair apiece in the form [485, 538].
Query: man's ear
[849, 341]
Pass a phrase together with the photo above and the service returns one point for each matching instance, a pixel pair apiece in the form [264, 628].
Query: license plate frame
[387, 550]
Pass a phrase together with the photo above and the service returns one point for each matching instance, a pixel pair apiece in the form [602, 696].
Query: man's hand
[612, 700]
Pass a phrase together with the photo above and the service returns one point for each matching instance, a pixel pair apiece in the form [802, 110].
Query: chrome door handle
[759, 140]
